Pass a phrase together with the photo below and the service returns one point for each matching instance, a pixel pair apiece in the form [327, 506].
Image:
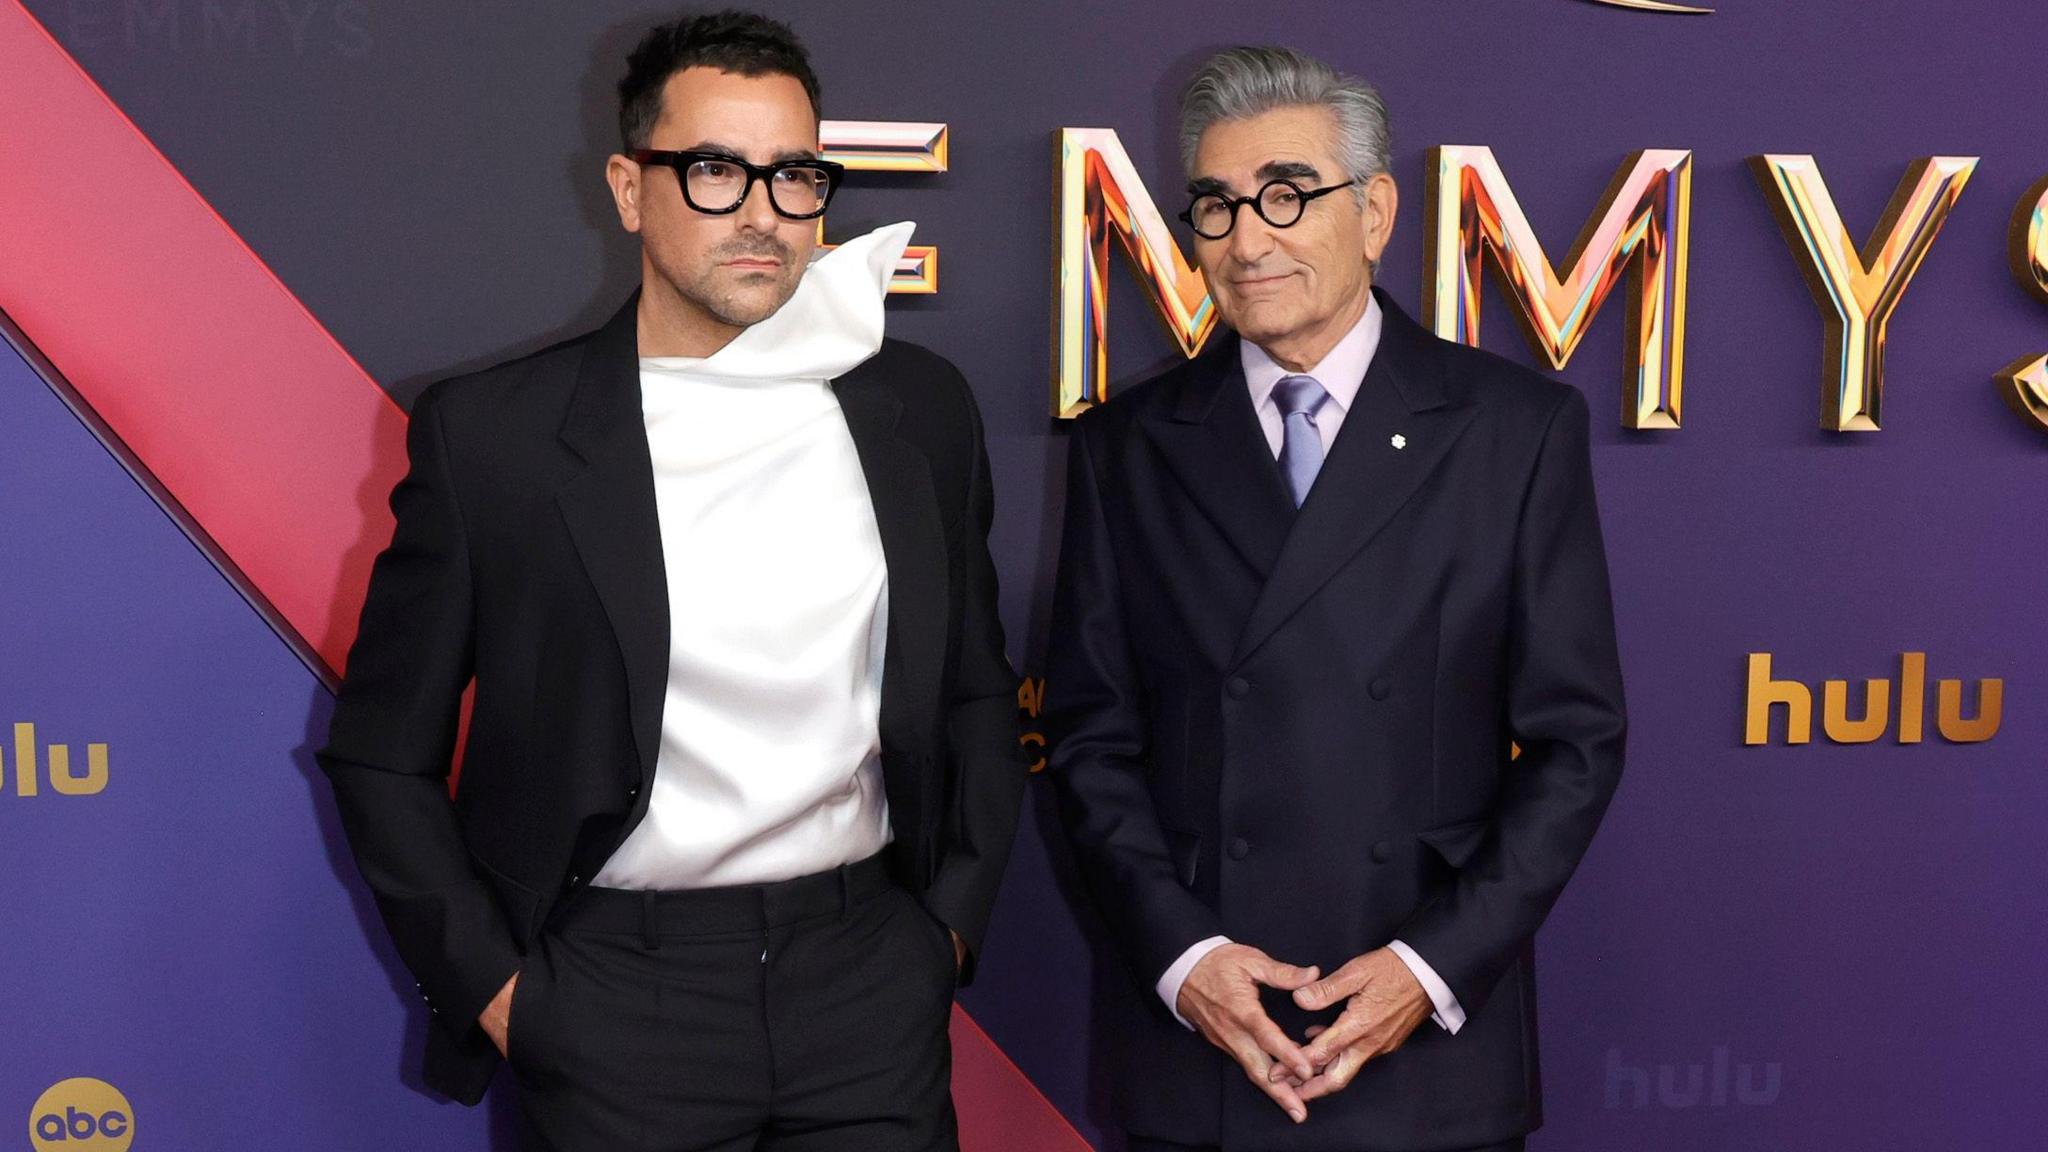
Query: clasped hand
[1382, 1005]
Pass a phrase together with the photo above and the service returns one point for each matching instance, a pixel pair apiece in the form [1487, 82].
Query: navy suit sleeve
[1097, 720]
[1564, 709]
[392, 739]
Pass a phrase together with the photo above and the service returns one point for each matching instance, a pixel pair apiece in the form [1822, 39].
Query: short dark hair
[742, 43]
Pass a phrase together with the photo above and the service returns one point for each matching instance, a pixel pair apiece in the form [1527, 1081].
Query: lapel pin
[1400, 441]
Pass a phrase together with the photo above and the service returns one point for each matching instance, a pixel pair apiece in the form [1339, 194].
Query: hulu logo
[1873, 716]
[1717, 1082]
[24, 772]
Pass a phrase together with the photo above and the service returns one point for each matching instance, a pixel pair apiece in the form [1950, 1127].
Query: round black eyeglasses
[1280, 203]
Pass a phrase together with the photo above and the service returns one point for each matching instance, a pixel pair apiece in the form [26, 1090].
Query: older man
[1314, 587]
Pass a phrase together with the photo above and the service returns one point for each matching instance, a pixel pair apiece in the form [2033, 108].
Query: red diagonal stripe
[254, 428]
[1001, 1110]
[235, 400]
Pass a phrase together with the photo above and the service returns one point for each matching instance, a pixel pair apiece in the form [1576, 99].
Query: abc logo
[81, 1115]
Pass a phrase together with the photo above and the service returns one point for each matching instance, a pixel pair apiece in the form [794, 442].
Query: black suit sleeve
[392, 739]
[981, 726]
[1097, 721]
[1565, 710]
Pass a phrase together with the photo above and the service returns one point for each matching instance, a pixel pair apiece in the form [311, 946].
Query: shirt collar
[832, 323]
[1341, 372]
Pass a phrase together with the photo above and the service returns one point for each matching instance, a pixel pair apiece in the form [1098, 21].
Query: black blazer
[527, 555]
[1294, 728]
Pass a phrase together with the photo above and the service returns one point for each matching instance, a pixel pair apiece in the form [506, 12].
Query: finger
[1286, 977]
[1345, 1031]
[1290, 1101]
[1275, 1043]
[1336, 1077]
[1332, 989]
[1257, 1068]
[1315, 1030]
[1280, 1074]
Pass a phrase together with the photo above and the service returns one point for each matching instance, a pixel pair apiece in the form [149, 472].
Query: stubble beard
[741, 299]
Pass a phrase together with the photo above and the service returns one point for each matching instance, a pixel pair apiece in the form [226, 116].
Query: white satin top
[769, 764]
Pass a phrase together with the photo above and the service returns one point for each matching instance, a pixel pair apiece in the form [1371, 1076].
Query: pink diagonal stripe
[219, 383]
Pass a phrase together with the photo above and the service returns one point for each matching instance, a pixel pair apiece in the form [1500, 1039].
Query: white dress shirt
[769, 766]
[1341, 373]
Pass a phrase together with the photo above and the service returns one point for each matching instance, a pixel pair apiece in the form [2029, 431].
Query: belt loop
[648, 940]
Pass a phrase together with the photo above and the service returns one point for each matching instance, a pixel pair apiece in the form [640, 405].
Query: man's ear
[1382, 202]
[624, 177]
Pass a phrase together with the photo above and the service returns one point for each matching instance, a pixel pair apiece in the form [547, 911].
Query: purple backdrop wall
[1858, 927]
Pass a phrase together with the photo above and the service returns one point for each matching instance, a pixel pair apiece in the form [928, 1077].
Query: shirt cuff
[1177, 975]
[1449, 1014]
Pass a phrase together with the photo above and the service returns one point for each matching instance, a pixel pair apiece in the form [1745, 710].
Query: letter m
[1100, 197]
[1642, 226]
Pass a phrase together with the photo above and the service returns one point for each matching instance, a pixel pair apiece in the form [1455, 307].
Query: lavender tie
[1301, 451]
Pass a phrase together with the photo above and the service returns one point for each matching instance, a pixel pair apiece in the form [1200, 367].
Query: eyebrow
[1270, 170]
[736, 154]
[1288, 170]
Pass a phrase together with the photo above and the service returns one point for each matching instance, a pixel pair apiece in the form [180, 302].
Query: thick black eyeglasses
[1280, 203]
[716, 183]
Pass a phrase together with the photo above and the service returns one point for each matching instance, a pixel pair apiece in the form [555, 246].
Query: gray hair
[1239, 83]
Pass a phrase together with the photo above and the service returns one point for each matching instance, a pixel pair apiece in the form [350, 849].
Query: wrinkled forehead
[1240, 156]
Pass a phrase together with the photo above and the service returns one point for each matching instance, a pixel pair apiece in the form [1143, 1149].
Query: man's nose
[757, 211]
[1251, 238]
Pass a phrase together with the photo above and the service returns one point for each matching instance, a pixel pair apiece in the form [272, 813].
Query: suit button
[1239, 848]
[1382, 852]
[575, 880]
[633, 792]
[1239, 687]
[1380, 689]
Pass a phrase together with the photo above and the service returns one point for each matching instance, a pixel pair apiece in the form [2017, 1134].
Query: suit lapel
[610, 510]
[1365, 479]
[1212, 443]
[906, 508]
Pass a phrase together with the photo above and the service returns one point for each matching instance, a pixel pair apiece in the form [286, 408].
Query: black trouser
[1141, 1144]
[793, 1017]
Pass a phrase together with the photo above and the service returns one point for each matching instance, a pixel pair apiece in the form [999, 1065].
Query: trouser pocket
[525, 1032]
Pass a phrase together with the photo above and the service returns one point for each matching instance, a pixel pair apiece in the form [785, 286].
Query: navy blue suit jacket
[1295, 728]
